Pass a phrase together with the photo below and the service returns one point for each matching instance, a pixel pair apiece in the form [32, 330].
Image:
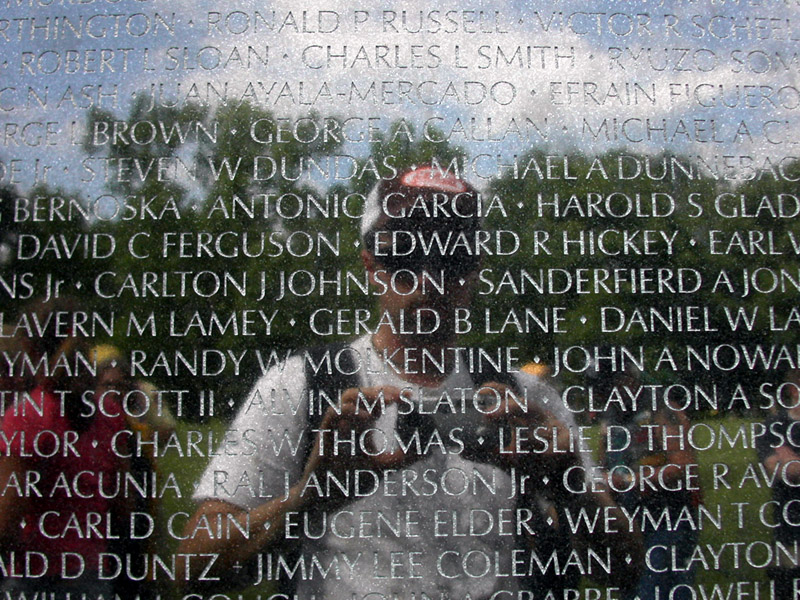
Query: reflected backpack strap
[331, 383]
[547, 539]
[491, 374]
[338, 379]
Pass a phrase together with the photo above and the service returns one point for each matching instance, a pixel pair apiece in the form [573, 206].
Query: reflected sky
[708, 78]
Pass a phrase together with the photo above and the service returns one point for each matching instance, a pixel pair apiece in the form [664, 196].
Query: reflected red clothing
[34, 437]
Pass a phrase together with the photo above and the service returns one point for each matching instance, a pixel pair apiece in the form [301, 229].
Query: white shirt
[443, 496]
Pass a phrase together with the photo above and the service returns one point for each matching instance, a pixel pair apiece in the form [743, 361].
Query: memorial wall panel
[493, 300]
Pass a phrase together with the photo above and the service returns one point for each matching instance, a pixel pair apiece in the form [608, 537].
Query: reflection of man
[779, 451]
[450, 517]
[656, 440]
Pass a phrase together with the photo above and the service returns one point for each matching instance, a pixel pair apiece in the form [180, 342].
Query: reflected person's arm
[266, 530]
[267, 521]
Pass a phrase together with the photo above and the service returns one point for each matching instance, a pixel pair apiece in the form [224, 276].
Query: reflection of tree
[200, 163]
[222, 158]
[691, 251]
[402, 147]
[577, 220]
[37, 246]
[8, 234]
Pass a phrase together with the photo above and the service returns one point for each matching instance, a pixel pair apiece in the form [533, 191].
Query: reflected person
[652, 443]
[64, 439]
[355, 490]
[779, 452]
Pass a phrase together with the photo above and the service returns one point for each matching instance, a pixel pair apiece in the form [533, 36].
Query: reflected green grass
[747, 530]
